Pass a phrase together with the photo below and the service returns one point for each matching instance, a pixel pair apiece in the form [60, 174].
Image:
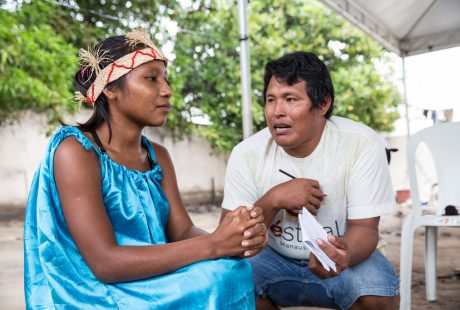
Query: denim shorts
[288, 282]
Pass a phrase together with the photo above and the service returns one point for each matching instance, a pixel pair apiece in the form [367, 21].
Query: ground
[448, 284]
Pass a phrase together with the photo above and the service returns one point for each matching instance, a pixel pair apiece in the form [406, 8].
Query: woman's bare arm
[180, 226]
[78, 181]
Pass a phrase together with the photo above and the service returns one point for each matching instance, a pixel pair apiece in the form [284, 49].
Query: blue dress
[57, 277]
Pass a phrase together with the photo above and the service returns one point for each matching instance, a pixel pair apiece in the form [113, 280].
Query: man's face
[294, 123]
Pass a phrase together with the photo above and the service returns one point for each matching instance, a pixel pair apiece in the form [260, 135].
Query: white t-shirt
[349, 163]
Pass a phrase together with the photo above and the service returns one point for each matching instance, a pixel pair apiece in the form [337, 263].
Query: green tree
[38, 48]
[206, 70]
[36, 66]
[38, 57]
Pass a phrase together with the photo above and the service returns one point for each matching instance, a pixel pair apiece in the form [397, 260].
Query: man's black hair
[303, 66]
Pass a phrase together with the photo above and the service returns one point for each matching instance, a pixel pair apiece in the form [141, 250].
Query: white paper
[312, 230]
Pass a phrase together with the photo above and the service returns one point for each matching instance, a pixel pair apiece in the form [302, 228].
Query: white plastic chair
[443, 142]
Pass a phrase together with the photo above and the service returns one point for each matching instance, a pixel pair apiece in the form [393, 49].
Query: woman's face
[144, 96]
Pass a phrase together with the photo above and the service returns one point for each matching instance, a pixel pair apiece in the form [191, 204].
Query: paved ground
[11, 258]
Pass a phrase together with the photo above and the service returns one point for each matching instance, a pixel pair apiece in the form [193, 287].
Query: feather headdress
[92, 59]
[116, 69]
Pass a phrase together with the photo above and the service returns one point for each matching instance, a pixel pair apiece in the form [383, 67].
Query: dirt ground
[448, 284]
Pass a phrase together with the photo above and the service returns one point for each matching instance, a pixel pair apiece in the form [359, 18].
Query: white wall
[425, 169]
[23, 144]
[21, 148]
[199, 172]
[199, 169]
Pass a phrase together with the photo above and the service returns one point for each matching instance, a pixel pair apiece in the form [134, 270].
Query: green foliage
[38, 49]
[38, 46]
[206, 70]
[36, 66]
[206, 75]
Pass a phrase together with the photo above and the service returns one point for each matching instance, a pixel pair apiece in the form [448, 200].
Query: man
[338, 172]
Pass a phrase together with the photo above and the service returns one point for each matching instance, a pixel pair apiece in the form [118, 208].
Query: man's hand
[358, 243]
[295, 194]
[337, 250]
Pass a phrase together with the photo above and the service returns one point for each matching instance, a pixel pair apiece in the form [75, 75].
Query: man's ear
[109, 93]
[325, 107]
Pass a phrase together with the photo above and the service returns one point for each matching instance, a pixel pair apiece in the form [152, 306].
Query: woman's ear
[109, 93]
[325, 107]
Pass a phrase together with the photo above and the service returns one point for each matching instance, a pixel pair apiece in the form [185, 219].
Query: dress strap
[150, 152]
[98, 141]
[152, 162]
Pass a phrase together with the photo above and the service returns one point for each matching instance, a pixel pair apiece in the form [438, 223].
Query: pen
[288, 174]
[291, 176]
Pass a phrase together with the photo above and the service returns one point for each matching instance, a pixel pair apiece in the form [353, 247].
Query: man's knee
[265, 304]
[376, 302]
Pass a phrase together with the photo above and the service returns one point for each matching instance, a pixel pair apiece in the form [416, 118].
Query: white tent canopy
[406, 27]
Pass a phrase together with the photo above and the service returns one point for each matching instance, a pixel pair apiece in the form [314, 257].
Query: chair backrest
[443, 142]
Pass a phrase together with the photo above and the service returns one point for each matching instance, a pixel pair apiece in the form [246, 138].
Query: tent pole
[406, 104]
[245, 69]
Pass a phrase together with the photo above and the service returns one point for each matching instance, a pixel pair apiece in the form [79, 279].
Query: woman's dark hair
[112, 49]
[302, 66]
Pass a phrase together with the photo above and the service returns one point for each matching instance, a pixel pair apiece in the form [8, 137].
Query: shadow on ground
[207, 217]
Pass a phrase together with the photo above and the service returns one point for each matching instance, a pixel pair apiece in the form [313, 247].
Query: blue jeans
[288, 282]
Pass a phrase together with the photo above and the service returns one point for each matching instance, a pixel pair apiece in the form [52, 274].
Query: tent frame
[406, 45]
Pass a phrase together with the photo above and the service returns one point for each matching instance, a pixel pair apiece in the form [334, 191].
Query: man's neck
[308, 147]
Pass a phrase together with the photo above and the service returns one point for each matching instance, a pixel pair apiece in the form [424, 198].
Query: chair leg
[405, 267]
[430, 262]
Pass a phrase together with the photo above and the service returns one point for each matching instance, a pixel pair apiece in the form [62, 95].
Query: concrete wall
[199, 172]
[21, 148]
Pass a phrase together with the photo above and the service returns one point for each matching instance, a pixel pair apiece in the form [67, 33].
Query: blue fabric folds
[57, 277]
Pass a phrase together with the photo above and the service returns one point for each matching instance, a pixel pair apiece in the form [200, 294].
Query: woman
[105, 225]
